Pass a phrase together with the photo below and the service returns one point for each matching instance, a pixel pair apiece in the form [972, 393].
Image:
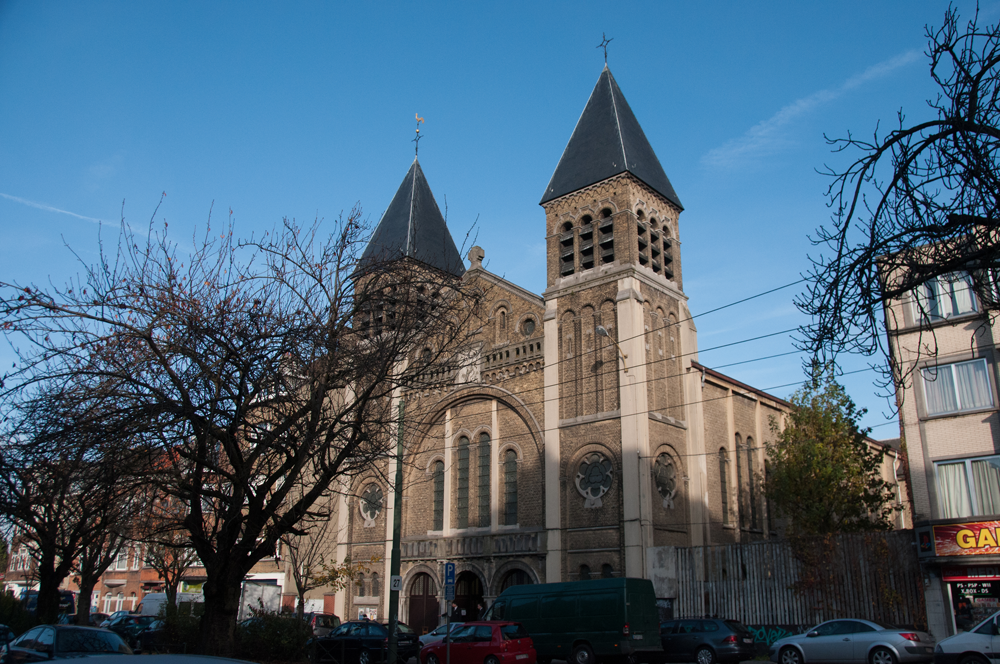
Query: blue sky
[303, 109]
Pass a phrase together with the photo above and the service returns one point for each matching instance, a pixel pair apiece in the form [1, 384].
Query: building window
[970, 487]
[375, 587]
[137, 557]
[724, 483]
[439, 495]
[607, 571]
[121, 560]
[584, 572]
[740, 492]
[484, 479]
[462, 492]
[945, 296]
[107, 602]
[361, 584]
[510, 488]
[953, 388]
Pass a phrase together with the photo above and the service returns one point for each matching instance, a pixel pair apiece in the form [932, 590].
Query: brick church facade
[583, 431]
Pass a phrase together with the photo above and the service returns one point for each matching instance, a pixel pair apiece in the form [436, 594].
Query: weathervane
[604, 44]
[416, 140]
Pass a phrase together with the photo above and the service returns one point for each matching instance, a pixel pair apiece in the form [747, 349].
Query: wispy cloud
[768, 136]
[49, 208]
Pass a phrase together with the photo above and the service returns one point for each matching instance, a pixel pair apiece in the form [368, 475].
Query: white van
[153, 602]
[979, 645]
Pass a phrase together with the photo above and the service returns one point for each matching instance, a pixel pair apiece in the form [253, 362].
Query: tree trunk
[83, 599]
[170, 588]
[47, 606]
[302, 605]
[222, 606]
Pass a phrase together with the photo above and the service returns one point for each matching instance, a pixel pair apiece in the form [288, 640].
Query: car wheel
[790, 655]
[432, 659]
[973, 659]
[582, 654]
[882, 656]
[704, 656]
[364, 657]
[491, 660]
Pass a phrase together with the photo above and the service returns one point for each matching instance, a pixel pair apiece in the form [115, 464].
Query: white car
[438, 633]
[979, 645]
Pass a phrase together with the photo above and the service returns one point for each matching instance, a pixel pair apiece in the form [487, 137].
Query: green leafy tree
[824, 476]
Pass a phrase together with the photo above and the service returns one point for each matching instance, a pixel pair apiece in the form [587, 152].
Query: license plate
[524, 656]
[637, 637]
[747, 640]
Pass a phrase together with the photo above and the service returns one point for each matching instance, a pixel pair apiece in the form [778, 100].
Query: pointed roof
[607, 141]
[412, 226]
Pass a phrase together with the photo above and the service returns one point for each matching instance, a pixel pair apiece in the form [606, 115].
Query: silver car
[861, 641]
[437, 634]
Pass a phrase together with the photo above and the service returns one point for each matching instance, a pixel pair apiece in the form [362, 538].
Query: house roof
[412, 226]
[607, 141]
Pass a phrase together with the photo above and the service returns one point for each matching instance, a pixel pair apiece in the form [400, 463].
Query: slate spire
[412, 226]
[607, 141]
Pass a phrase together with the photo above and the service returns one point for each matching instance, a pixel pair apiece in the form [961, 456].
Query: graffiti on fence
[770, 633]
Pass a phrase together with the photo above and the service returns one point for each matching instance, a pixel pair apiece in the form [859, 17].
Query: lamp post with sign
[395, 582]
[449, 596]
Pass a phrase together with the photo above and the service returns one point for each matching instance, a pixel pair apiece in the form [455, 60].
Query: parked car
[582, 621]
[860, 641]
[979, 644]
[321, 623]
[129, 626]
[67, 601]
[483, 643]
[364, 642]
[93, 620]
[437, 633]
[115, 615]
[706, 641]
[152, 636]
[58, 641]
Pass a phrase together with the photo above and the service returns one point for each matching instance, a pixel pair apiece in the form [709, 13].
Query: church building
[584, 431]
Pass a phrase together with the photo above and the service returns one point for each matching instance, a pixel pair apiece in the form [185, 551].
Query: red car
[494, 642]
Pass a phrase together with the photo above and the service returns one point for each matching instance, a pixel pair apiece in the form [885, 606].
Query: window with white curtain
[969, 487]
[952, 388]
[945, 296]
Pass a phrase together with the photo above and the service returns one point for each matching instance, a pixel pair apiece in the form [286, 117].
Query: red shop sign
[971, 573]
[967, 539]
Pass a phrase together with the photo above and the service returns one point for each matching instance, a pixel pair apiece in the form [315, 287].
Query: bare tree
[305, 555]
[168, 547]
[921, 201]
[263, 371]
[67, 484]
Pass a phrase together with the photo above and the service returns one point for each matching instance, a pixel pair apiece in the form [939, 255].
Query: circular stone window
[665, 478]
[594, 479]
[371, 504]
[528, 327]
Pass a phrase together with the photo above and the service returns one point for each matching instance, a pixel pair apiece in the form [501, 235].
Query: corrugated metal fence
[872, 575]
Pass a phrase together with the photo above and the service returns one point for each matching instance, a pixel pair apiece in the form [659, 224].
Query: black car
[364, 642]
[129, 626]
[57, 641]
[152, 638]
[706, 641]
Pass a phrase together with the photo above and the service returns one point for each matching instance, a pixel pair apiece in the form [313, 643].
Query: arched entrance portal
[515, 577]
[423, 604]
[468, 595]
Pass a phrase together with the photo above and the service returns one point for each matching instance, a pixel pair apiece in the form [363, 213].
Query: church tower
[615, 416]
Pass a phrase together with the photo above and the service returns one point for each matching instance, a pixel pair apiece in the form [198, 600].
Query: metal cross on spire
[604, 44]
[416, 140]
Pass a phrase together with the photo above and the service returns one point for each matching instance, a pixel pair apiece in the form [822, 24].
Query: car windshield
[89, 640]
[511, 632]
[404, 629]
[737, 626]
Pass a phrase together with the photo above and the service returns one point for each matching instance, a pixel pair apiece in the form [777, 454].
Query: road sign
[449, 573]
[449, 592]
[395, 582]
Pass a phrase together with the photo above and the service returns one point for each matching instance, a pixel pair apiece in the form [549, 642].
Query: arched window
[119, 601]
[607, 571]
[510, 488]
[484, 479]
[360, 583]
[751, 493]
[767, 505]
[740, 483]
[439, 495]
[462, 485]
[724, 483]
[515, 577]
[375, 588]
[567, 227]
[107, 602]
[503, 320]
[668, 253]
[606, 236]
[584, 572]
[131, 602]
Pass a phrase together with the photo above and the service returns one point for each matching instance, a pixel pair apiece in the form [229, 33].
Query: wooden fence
[873, 575]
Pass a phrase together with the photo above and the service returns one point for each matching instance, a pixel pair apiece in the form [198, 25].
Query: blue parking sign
[449, 574]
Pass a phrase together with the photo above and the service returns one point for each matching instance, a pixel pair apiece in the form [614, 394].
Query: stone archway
[423, 604]
[514, 577]
[469, 595]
